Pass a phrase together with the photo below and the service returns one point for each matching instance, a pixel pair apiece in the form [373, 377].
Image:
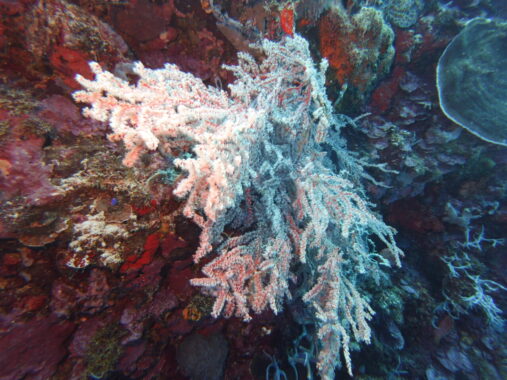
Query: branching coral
[258, 167]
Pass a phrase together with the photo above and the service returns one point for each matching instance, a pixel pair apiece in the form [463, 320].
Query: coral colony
[256, 161]
[254, 190]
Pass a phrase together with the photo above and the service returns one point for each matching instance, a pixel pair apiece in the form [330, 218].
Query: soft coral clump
[65, 37]
[358, 47]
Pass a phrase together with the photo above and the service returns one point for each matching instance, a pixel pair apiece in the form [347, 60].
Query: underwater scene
[253, 189]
